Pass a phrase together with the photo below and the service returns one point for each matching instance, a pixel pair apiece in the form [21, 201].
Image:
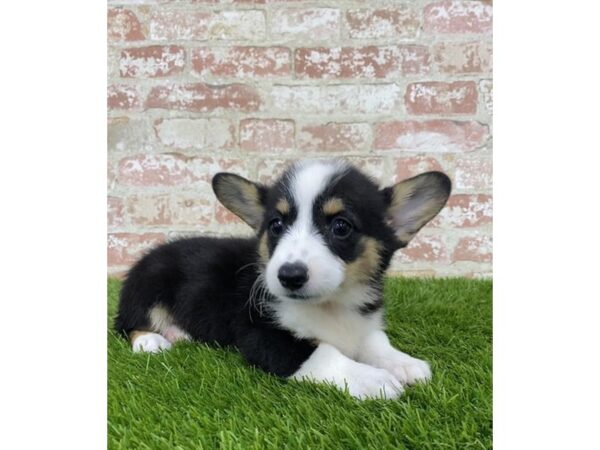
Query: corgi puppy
[303, 298]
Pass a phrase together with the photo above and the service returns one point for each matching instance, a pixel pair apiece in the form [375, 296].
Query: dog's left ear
[242, 197]
[415, 201]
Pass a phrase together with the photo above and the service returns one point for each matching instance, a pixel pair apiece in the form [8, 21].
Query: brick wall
[197, 87]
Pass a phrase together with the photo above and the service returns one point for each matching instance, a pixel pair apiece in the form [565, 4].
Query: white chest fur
[335, 323]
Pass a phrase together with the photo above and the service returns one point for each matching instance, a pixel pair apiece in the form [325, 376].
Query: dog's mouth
[299, 296]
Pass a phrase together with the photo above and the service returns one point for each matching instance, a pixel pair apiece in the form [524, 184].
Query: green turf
[195, 396]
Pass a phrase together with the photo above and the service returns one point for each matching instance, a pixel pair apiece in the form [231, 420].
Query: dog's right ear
[242, 197]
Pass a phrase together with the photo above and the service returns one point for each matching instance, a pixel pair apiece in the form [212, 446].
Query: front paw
[364, 382]
[406, 369]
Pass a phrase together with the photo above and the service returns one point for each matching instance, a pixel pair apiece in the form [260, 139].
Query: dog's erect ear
[415, 201]
[242, 197]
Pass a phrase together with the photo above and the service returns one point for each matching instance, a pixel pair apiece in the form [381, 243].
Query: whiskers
[259, 294]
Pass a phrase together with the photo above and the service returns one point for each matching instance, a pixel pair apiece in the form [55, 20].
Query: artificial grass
[199, 397]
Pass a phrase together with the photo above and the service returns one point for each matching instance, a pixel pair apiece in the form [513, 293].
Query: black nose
[293, 275]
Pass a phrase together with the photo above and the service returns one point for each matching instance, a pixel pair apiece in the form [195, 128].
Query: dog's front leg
[328, 364]
[377, 351]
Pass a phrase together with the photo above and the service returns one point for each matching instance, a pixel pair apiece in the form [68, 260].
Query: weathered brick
[362, 62]
[334, 137]
[181, 133]
[267, 135]
[123, 97]
[152, 61]
[169, 209]
[398, 22]
[473, 173]
[200, 97]
[115, 211]
[309, 23]
[350, 99]
[123, 25]
[126, 248]
[473, 248]
[458, 17]
[437, 97]
[156, 170]
[268, 170]
[463, 57]
[486, 90]
[430, 136]
[414, 165]
[130, 135]
[174, 169]
[464, 210]
[423, 247]
[173, 25]
[242, 62]
[372, 165]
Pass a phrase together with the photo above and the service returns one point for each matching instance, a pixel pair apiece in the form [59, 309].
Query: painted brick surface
[196, 87]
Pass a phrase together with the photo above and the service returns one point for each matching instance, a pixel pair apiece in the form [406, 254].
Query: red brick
[334, 137]
[200, 97]
[168, 209]
[123, 25]
[430, 136]
[182, 133]
[242, 62]
[363, 62]
[310, 23]
[399, 22]
[127, 248]
[436, 97]
[473, 248]
[115, 211]
[473, 174]
[463, 210]
[423, 248]
[341, 98]
[463, 57]
[458, 17]
[156, 170]
[174, 169]
[190, 25]
[152, 61]
[414, 165]
[123, 97]
[267, 135]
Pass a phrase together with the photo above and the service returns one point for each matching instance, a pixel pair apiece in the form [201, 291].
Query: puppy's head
[324, 225]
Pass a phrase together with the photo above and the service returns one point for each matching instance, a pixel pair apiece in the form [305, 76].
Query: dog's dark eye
[341, 228]
[276, 226]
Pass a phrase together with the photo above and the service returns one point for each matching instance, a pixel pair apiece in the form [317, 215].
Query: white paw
[150, 342]
[364, 381]
[327, 364]
[406, 369]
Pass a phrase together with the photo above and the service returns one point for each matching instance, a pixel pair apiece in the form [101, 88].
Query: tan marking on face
[283, 207]
[365, 267]
[333, 206]
[263, 249]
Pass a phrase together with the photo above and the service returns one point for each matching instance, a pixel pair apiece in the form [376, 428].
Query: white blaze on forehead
[311, 179]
